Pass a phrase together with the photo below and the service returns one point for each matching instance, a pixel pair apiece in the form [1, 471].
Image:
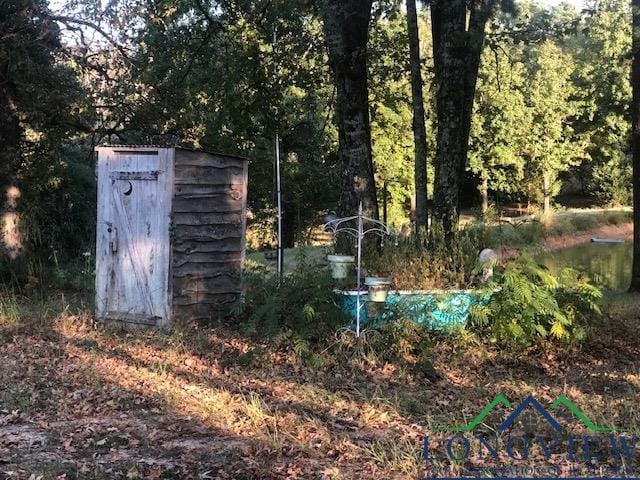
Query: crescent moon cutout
[128, 192]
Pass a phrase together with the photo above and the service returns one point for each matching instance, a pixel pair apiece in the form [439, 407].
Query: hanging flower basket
[378, 288]
[340, 265]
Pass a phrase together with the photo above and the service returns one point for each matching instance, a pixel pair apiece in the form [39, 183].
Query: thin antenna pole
[280, 266]
[358, 270]
[279, 202]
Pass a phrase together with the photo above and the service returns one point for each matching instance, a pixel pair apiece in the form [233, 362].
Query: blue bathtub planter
[436, 309]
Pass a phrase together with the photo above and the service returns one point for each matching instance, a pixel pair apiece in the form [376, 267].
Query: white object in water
[606, 240]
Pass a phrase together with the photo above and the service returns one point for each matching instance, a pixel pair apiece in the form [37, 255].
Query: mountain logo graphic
[530, 401]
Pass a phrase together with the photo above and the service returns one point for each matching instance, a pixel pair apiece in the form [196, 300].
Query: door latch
[113, 237]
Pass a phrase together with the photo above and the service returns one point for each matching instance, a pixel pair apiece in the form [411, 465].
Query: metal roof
[133, 147]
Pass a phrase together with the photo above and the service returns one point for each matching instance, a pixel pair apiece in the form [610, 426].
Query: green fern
[529, 303]
[302, 302]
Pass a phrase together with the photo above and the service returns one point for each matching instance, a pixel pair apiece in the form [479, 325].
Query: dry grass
[88, 402]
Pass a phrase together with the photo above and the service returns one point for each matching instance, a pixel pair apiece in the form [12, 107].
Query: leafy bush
[412, 266]
[561, 225]
[527, 303]
[32, 271]
[584, 222]
[617, 217]
[402, 339]
[515, 235]
[611, 182]
[531, 232]
[58, 203]
[504, 235]
[302, 302]
[56, 210]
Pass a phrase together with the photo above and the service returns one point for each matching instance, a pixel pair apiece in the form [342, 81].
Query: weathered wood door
[133, 239]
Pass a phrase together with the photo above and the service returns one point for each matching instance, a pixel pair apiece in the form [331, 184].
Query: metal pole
[279, 202]
[384, 210]
[384, 202]
[358, 305]
[280, 266]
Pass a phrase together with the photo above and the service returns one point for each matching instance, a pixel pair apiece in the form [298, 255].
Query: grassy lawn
[572, 225]
[312, 254]
[88, 402]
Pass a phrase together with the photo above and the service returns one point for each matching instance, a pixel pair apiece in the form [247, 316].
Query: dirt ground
[551, 243]
[79, 401]
[622, 232]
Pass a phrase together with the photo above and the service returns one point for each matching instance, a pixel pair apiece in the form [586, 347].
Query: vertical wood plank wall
[209, 221]
[133, 250]
[103, 259]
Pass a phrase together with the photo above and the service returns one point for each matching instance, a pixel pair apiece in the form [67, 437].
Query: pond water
[609, 265]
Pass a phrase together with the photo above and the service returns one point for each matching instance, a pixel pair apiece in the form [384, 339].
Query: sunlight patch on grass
[357, 416]
[10, 313]
[263, 419]
[212, 405]
[398, 455]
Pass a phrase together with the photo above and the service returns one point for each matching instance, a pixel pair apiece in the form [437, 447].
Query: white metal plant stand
[345, 225]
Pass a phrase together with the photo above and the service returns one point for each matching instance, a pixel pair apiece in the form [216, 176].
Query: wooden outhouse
[170, 240]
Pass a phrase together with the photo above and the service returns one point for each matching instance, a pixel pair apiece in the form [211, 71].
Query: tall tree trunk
[10, 130]
[480, 12]
[635, 139]
[457, 47]
[346, 28]
[419, 129]
[448, 20]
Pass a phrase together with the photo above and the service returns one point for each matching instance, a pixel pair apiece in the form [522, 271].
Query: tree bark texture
[419, 129]
[635, 144]
[10, 130]
[457, 47]
[346, 29]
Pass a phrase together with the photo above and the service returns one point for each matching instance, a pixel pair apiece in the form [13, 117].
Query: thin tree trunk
[635, 139]
[419, 129]
[10, 131]
[457, 49]
[546, 191]
[346, 28]
[484, 193]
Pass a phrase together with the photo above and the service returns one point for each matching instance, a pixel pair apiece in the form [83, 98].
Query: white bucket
[340, 265]
[378, 288]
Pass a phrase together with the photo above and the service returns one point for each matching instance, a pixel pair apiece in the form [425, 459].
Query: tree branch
[65, 20]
